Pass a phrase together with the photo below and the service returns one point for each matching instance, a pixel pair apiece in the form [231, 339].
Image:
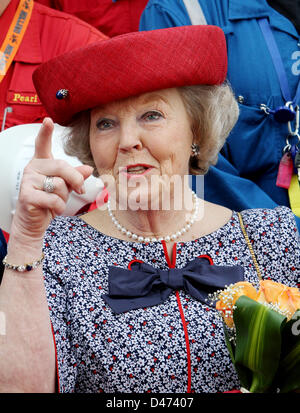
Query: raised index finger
[43, 142]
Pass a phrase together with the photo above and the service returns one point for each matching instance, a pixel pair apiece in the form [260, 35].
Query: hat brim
[130, 65]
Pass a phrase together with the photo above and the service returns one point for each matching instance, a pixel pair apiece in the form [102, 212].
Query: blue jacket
[246, 172]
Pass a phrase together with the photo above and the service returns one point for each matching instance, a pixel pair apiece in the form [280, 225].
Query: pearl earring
[195, 149]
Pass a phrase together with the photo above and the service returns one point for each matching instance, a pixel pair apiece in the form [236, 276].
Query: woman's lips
[136, 170]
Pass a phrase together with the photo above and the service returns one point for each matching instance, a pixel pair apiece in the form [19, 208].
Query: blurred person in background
[111, 17]
[258, 164]
[30, 34]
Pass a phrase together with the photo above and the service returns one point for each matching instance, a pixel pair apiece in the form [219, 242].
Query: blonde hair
[213, 111]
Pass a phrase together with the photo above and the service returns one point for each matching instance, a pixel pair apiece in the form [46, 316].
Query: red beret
[129, 65]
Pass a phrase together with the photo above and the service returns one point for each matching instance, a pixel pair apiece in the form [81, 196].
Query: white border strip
[195, 12]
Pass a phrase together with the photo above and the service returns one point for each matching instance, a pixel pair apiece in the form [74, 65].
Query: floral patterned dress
[175, 347]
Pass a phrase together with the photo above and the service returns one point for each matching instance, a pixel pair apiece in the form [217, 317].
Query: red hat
[129, 65]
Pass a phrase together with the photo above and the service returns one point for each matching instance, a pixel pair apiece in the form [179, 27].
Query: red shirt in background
[111, 17]
[49, 33]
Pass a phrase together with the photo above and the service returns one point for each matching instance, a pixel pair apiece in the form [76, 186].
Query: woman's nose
[130, 138]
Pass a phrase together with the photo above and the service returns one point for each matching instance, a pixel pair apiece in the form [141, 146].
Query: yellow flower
[283, 298]
[228, 297]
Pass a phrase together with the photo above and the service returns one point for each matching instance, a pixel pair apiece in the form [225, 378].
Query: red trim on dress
[6, 235]
[132, 262]
[186, 335]
[208, 257]
[172, 264]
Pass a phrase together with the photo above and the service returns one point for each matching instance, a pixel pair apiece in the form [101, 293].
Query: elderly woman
[115, 300]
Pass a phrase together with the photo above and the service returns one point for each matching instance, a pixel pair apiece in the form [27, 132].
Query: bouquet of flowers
[262, 330]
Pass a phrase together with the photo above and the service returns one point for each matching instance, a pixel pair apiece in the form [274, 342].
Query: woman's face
[141, 141]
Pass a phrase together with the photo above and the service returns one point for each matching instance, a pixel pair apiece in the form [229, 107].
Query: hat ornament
[62, 94]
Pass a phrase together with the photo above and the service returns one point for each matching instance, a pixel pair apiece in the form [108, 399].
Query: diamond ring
[48, 185]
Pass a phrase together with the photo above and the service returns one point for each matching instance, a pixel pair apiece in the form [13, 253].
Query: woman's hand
[36, 208]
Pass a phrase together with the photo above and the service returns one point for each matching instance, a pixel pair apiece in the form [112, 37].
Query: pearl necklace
[167, 238]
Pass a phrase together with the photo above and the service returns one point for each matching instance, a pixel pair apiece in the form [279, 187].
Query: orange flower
[283, 298]
[228, 297]
[269, 291]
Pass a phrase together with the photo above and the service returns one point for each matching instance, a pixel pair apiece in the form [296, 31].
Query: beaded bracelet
[24, 267]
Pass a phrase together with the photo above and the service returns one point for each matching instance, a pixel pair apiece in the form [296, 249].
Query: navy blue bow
[145, 286]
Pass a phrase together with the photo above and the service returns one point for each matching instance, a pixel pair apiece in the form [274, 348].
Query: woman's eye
[104, 124]
[153, 115]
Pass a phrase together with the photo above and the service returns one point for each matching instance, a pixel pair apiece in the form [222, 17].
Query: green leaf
[258, 343]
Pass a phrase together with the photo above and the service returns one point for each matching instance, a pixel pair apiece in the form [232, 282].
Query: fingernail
[82, 190]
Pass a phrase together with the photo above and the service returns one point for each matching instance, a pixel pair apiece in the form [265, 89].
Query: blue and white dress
[175, 347]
